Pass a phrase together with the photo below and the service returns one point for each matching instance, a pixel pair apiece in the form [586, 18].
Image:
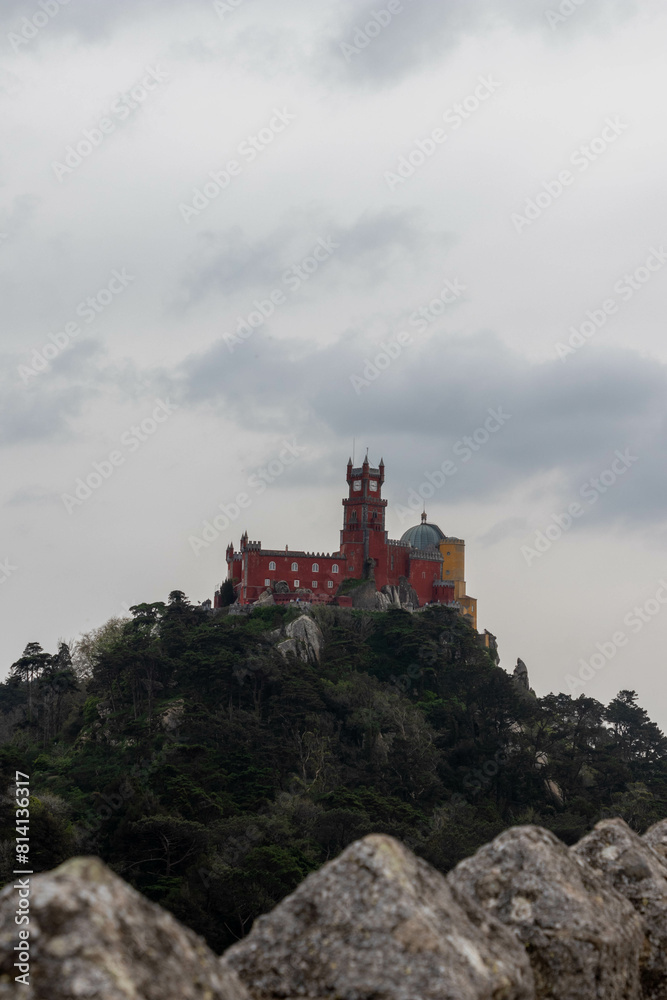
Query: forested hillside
[214, 772]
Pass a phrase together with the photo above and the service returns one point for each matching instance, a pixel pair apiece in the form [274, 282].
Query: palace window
[316, 568]
[295, 567]
[267, 583]
[334, 568]
[314, 584]
[330, 584]
[353, 516]
[272, 565]
[296, 584]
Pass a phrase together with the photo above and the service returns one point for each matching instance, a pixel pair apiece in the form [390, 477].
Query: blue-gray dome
[423, 536]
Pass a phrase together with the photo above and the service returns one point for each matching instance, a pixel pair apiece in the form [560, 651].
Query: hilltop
[215, 759]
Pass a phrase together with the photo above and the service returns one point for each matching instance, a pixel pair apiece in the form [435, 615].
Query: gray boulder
[265, 599]
[93, 936]
[583, 938]
[378, 923]
[656, 837]
[391, 592]
[365, 596]
[633, 868]
[304, 640]
[407, 593]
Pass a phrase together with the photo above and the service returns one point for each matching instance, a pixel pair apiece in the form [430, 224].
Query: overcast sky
[471, 193]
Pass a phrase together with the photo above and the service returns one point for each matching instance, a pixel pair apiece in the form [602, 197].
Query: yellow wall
[453, 552]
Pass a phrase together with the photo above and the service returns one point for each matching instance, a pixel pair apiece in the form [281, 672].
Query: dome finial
[424, 515]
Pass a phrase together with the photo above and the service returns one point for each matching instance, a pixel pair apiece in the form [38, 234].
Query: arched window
[353, 516]
[316, 567]
[330, 584]
[296, 584]
[295, 567]
[334, 568]
[272, 565]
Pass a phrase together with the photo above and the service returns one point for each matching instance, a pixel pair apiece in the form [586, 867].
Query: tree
[31, 664]
[56, 682]
[91, 646]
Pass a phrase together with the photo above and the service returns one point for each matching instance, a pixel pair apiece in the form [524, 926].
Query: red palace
[432, 563]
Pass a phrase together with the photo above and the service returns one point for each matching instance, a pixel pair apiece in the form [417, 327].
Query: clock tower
[364, 536]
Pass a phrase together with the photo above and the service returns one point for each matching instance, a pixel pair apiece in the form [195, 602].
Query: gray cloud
[31, 495]
[46, 405]
[567, 421]
[228, 262]
[425, 32]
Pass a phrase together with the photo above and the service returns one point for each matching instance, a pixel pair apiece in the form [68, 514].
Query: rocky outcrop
[583, 938]
[633, 868]
[391, 592]
[524, 919]
[265, 599]
[172, 716]
[521, 674]
[378, 922]
[656, 837]
[304, 640]
[366, 598]
[93, 936]
[407, 594]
